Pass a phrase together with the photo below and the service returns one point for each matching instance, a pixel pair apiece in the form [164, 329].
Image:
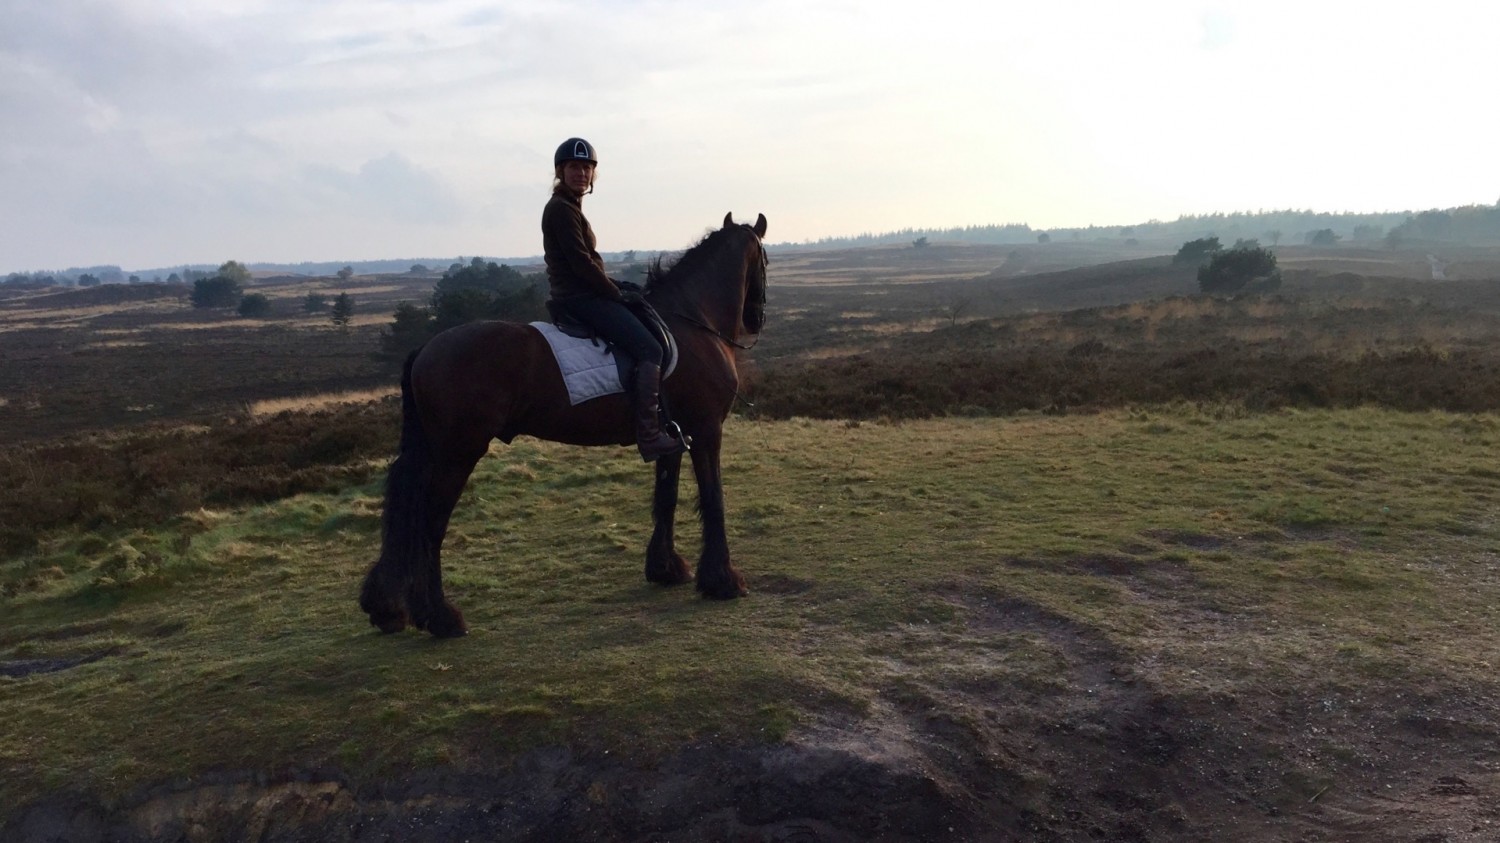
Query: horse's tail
[405, 544]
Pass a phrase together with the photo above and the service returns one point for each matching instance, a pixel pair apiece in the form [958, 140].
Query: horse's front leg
[717, 577]
[663, 563]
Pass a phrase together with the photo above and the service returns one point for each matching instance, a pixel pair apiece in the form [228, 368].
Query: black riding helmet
[575, 149]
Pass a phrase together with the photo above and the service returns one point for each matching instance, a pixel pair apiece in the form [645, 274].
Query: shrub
[411, 326]
[1233, 270]
[255, 305]
[1197, 251]
[218, 291]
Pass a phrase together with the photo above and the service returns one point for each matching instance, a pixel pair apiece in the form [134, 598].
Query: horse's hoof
[390, 624]
[673, 571]
[726, 588]
[448, 623]
[458, 631]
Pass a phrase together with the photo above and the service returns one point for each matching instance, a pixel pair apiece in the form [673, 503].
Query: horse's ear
[729, 219]
[760, 226]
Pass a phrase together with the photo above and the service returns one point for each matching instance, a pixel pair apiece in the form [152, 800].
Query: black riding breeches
[616, 324]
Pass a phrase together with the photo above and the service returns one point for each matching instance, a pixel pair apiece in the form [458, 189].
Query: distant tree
[343, 310]
[1127, 231]
[218, 291]
[1233, 270]
[1367, 233]
[628, 256]
[1044, 237]
[956, 308]
[1322, 237]
[1393, 238]
[87, 280]
[411, 326]
[254, 305]
[1198, 251]
[485, 290]
[419, 269]
[346, 273]
[1274, 235]
[1242, 243]
[189, 275]
[235, 271]
[315, 303]
[465, 293]
[919, 243]
[174, 278]
[134, 279]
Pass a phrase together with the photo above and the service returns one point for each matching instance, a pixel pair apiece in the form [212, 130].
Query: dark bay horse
[498, 380]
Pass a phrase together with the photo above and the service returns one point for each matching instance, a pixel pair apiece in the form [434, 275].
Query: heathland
[1042, 545]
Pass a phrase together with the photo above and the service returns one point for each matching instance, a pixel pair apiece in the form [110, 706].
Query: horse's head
[753, 317]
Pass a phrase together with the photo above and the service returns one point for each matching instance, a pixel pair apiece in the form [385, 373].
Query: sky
[154, 133]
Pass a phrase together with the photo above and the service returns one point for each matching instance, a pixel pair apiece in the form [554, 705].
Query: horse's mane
[666, 277]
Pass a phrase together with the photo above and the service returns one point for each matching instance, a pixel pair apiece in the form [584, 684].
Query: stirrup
[672, 429]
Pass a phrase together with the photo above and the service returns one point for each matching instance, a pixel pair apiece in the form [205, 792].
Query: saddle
[643, 311]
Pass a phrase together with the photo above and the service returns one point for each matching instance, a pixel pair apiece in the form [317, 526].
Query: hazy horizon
[147, 135]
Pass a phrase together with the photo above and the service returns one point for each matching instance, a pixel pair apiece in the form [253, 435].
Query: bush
[254, 306]
[411, 326]
[1197, 251]
[1236, 269]
[466, 293]
[218, 291]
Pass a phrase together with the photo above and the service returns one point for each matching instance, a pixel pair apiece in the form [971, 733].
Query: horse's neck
[708, 297]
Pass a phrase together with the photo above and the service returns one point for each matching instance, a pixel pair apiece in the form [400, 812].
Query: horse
[482, 381]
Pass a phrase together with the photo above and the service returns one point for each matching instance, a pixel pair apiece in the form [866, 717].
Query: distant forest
[1471, 224]
[1477, 224]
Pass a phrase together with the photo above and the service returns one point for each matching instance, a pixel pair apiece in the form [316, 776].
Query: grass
[1215, 551]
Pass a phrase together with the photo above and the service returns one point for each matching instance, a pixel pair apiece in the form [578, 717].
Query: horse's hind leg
[430, 608]
[664, 564]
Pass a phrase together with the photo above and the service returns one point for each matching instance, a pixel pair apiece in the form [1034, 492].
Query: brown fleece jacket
[574, 268]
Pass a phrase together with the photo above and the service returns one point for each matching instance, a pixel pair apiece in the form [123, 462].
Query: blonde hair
[558, 182]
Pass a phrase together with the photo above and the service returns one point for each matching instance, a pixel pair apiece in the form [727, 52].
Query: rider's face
[578, 175]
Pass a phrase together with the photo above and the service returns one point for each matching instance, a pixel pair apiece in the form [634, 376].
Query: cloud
[388, 188]
[1218, 30]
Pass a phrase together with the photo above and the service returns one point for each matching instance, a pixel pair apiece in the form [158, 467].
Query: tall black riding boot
[652, 440]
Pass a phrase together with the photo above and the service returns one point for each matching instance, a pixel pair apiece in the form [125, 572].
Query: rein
[715, 331]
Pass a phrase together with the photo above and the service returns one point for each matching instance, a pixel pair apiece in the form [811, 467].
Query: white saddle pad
[587, 369]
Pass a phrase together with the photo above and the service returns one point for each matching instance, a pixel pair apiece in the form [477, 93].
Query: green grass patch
[884, 560]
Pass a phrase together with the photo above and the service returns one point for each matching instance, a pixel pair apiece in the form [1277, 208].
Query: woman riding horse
[582, 290]
[483, 381]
